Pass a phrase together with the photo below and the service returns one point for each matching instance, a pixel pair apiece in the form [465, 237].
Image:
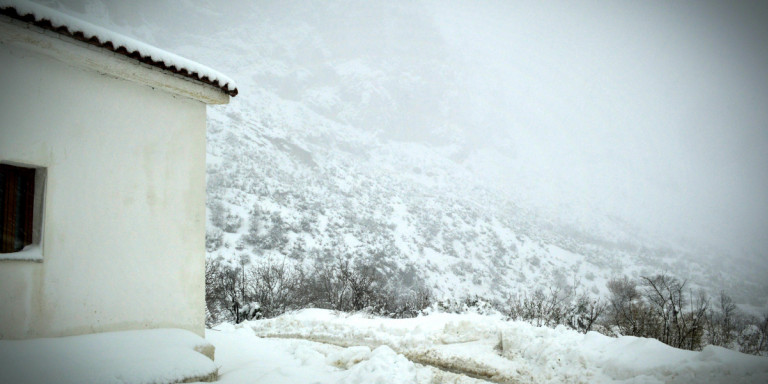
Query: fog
[650, 113]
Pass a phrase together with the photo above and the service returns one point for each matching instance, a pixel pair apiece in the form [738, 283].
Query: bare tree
[665, 297]
[276, 286]
[678, 318]
[585, 312]
[721, 322]
[212, 293]
[330, 288]
[627, 313]
[693, 321]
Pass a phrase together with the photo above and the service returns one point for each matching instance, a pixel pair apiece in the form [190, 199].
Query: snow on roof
[58, 22]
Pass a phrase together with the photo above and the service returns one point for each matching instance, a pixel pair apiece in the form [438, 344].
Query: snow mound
[348, 357]
[385, 366]
[148, 356]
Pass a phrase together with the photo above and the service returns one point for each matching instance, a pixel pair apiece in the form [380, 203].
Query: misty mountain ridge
[333, 191]
[339, 147]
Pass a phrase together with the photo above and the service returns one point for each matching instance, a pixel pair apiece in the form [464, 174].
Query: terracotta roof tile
[51, 20]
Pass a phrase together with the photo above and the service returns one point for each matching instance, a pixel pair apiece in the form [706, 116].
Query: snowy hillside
[366, 132]
[305, 187]
[305, 157]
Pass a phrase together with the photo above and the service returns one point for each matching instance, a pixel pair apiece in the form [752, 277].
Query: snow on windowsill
[32, 252]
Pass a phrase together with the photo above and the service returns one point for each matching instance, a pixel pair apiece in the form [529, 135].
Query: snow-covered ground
[320, 346]
[328, 347]
[149, 356]
[244, 357]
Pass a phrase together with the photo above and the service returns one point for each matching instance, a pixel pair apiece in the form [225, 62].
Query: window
[20, 207]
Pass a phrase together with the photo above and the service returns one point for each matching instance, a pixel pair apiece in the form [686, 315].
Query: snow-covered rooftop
[58, 22]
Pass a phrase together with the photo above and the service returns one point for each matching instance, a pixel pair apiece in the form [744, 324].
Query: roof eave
[46, 24]
[79, 54]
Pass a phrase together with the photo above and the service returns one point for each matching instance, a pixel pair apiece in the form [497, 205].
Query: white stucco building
[102, 174]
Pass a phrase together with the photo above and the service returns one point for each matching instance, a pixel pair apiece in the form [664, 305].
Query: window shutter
[17, 196]
[27, 211]
[8, 207]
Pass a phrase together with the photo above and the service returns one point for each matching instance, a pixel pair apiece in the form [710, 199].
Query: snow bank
[148, 356]
[246, 358]
[497, 350]
[384, 366]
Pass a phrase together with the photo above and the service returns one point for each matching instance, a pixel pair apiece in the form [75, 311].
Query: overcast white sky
[657, 111]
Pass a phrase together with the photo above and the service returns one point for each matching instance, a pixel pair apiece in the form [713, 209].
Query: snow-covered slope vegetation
[363, 130]
[291, 183]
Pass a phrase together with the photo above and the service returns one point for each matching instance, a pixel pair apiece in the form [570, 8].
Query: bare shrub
[276, 287]
[585, 312]
[557, 306]
[408, 302]
[212, 292]
[658, 307]
[269, 288]
[232, 223]
[346, 285]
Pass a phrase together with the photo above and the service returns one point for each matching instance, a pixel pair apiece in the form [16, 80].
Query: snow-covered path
[361, 349]
[245, 358]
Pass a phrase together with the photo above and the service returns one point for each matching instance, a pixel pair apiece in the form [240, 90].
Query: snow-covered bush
[232, 223]
[251, 311]
[558, 306]
[216, 213]
[266, 231]
[469, 304]
[753, 335]
[214, 239]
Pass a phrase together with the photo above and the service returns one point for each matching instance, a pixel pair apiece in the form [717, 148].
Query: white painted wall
[124, 220]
